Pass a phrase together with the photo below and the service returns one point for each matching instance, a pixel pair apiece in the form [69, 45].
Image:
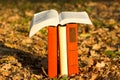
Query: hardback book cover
[52, 51]
[72, 48]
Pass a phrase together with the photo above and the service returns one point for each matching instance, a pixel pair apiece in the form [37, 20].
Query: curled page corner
[37, 27]
[43, 19]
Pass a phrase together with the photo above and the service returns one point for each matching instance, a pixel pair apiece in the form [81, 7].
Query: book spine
[72, 48]
[52, 52]
[63, 50]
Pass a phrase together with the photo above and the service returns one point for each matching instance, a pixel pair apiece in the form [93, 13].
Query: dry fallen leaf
[9, 45]
[1, 77]
[36, 47]
[112, 21]
[5, 73]
[2, 31]
[93, 53]
[11, 58]
[110, 48]
[100, 65]
[26, 41]
[29, 13]
[89, 60]
[94, 76]
[5, 67]
[96, 47]
[80, 78]
[13, 18]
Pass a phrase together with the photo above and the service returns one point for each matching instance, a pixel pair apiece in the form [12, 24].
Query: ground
[24, 58]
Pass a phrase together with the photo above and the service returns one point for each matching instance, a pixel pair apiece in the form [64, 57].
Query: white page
[42, 19]
[74, 17]
[63, 50]
[51, 18]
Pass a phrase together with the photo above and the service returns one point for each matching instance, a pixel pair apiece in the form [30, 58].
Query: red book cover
[72, 48]
[52, 52]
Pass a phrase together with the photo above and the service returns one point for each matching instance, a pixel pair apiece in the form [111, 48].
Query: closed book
[63, 50]
[52, 51]
[72, 48]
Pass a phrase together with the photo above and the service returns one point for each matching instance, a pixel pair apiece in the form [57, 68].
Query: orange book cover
[52, 51]
[72, 48]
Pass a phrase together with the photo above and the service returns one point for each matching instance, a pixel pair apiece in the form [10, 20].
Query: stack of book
[62, 39]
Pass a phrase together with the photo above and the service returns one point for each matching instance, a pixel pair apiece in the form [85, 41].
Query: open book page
[51, 18]
[42, 19]
[74, 17]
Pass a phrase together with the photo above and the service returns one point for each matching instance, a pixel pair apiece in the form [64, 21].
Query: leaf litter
[24, 58]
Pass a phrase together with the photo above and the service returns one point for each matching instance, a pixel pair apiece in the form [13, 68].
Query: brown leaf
[6, 67]
[80, 78]
[96, 46]
[8, 45]
[40, 43]
[93, 53]
[100, 65]
[13, 18]
[36, 47]
[94, 76]
[110, 48]
[11, 58]
[89, 60]
[112, 21]
[1, 77]
[2, 31]
[5, 73]
[26, 41]
[29, 13]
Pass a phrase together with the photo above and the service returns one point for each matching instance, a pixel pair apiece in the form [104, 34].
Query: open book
[52, 18]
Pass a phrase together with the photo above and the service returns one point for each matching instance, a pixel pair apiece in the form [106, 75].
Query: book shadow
[34, 63]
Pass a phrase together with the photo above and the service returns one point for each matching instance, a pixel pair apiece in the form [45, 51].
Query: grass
[98, 22]
[112, 54]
